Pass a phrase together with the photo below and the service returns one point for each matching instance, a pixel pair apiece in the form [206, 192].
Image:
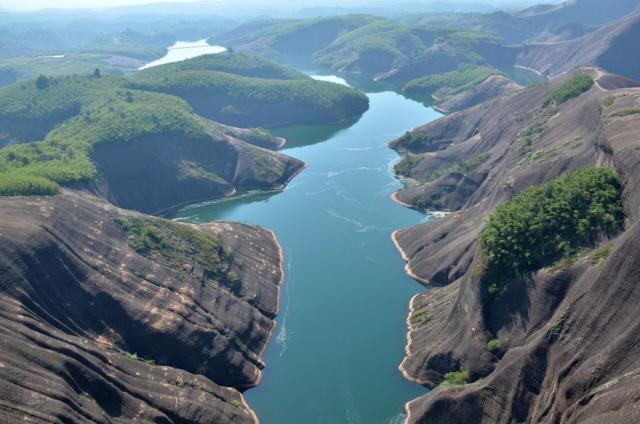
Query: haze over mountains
[280, 7]
[112, 313]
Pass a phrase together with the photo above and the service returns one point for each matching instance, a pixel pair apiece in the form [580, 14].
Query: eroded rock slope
[565, 341]
[104, 321]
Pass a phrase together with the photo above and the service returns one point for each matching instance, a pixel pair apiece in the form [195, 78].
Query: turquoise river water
[341, 330]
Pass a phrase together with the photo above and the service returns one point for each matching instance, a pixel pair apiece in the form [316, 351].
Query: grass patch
[429, 202]
[609, 101]
[573, 87]
[421, 318]
[453, 82]
[406, 164]
[625, 112]
[492, 345]
[179, 246]
[414, 142]
[534, 127]
[600, 254]
[16, 184]
[134, 357]
[456, 378]
[264, 162]
[53, 99]
[463, 167]
[539, 156]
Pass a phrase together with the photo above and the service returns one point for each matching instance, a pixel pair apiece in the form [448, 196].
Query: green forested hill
[103, 134]
[372, 47]
[232, 63]
[246, 91]
[292, 36]
[102, 113]
[30, 109]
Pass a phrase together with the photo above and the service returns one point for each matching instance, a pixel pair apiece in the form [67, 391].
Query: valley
[259, 214]
[339, 259]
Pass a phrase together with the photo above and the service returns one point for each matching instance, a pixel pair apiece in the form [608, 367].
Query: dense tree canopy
[64, 155]
[549, 222]
[242, 90]
[452, 82]
[54, 123]
[571, 88]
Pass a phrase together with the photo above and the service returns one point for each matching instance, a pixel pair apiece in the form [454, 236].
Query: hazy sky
[74, 4]
[86, 4]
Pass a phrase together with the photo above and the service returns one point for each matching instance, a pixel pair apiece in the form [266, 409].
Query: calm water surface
[183, 50]
[340, 333]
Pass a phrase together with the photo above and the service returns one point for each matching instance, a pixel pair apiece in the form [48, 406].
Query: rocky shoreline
[107, 321]
[539, 372]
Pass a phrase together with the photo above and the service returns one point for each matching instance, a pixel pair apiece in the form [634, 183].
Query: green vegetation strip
[573, 87]
[230, 63]
[625, 112]
[454, 82]
[176, 245]
[463, 167]
[492, 345]
[456, 378]
[549, 222]
[414, 142]
[406, 164]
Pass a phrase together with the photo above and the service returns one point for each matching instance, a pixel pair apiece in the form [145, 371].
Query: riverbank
[333, 225]
[407, 267]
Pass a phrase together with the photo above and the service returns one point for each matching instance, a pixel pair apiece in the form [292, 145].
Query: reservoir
[341, 329]
[183, 50]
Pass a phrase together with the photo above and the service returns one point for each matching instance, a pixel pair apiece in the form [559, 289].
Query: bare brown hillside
[568, 348]
[95, 331]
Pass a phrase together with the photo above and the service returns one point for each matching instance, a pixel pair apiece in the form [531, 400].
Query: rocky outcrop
[256, 136]
[95, 330]
[494, 86]
[564, 346]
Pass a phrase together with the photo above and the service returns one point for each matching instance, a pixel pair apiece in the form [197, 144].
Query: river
[341, 329]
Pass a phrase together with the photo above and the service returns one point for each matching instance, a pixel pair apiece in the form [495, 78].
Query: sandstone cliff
[567, 337]
[101, 326]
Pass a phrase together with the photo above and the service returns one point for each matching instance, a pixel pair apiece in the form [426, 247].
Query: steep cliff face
[157, 173]
[105, 322]
[563, 342]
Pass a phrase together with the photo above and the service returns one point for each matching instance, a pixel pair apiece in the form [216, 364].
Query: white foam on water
[343, 195]
[316, 193]
[283, 337]
[355, 149]
[398, 419]
[361, 227]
